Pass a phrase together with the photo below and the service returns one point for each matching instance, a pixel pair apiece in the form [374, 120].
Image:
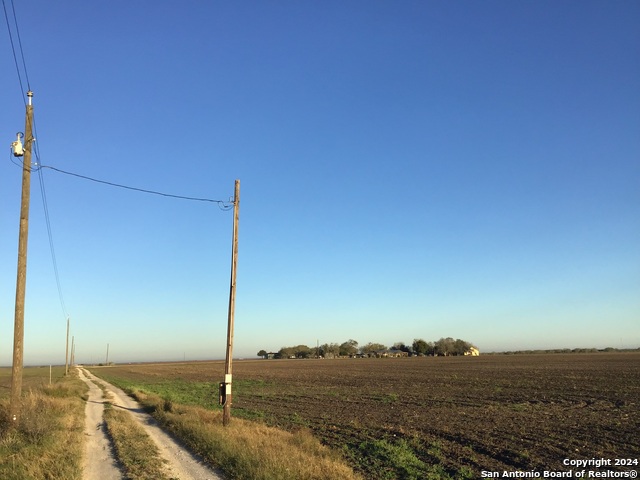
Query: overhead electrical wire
[24, 64]
[24, 67]
[13, 48]
[50, 235]
[221, 203]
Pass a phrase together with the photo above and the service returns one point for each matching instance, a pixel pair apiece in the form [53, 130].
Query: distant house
[396, 353]
[387, 353]
[473, 352]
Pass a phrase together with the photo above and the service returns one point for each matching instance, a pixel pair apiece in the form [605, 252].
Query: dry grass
[136, 452]
[248, 450]
[47, 441]
[134, 449]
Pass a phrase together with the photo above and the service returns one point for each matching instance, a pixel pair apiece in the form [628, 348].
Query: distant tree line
[351, 348]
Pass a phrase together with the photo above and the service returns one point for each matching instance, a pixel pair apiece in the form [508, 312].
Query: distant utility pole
[66, 354]
[21, 283]
[226, 409]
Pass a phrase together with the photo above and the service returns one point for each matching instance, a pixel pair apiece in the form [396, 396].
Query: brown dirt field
[466, 415]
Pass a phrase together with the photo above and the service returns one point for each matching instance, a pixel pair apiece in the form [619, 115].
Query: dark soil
[491, 413]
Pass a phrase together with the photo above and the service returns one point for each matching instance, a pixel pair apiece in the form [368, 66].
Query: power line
[221, 203]
[13, 48]
[24, 64]
[50, 235]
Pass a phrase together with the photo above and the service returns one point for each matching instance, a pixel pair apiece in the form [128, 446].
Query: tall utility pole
[66, 354]
[21, 283]
[226, 409]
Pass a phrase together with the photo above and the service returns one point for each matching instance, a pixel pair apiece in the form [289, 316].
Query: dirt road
[100, 463]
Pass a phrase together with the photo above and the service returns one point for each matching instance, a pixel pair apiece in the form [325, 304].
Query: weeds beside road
[247, 450]
[47, 442]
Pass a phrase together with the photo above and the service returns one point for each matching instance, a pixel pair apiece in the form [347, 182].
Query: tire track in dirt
[99, 462]
[181, 463]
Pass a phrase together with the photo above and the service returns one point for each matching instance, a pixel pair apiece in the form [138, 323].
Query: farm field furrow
[407, 418]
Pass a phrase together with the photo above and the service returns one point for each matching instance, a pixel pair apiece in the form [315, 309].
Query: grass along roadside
[47, 442]
[135, 451]
[247, 450]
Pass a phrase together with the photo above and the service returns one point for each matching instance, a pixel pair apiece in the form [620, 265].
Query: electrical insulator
[18, 149]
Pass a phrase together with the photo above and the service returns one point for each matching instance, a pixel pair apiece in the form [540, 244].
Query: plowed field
[446, 416]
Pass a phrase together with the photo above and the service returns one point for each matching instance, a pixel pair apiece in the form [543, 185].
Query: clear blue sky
[408, 170]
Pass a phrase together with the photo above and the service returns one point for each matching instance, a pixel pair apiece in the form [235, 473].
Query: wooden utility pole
[226, 409]
[21, 283]
[66, 354]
